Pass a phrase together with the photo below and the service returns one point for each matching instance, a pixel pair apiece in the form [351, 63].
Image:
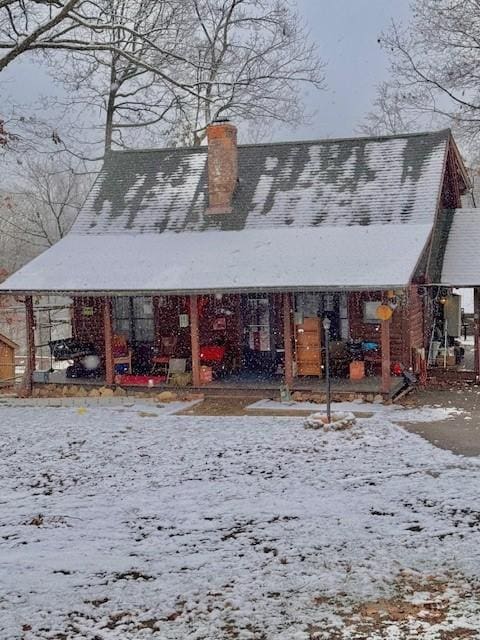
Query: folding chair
[176, 366]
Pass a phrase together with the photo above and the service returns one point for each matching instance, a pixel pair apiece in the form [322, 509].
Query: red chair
[212, 353]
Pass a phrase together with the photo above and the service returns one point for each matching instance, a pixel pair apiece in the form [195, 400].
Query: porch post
[30, 327]
[476, 330]
[108, 337]
[385, 345]
[195, 340]
[287, 339]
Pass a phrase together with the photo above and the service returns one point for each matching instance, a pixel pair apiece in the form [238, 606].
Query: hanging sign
[87, 311]
[384, 312]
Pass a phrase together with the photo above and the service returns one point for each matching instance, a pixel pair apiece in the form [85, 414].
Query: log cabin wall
[416, 319]
[87, 322]
[167, 312]
[406, 330]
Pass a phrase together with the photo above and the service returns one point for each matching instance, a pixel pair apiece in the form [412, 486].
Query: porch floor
[249, 382]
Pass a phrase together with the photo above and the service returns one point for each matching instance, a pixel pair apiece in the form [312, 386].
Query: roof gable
[359, 181]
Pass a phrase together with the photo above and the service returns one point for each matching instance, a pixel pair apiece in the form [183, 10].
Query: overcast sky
[346, 32]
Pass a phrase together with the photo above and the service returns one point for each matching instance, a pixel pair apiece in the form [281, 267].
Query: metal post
[326, 326]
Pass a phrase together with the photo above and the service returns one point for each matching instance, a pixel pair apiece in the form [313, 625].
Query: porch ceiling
[355, 257]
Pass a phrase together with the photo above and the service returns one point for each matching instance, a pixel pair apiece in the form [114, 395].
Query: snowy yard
[121, 523]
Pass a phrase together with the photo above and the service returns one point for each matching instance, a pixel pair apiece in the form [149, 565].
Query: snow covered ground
[122, 523]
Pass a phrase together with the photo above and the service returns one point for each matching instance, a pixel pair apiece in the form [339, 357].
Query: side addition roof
[322, 214]
[461, 265]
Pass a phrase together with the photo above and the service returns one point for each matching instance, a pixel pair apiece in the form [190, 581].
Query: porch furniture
[7, 358]
[81, 353]
[357, 370]
[70, 349]
[307, 347]
[163, 353]
[213, 356]
[176, 367]
[122, 355]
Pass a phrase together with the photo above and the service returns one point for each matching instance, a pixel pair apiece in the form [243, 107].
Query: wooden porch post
[195, 340]
[287, 338]
[476, 329]
[108, 337]
[30, 326]
[385, 345]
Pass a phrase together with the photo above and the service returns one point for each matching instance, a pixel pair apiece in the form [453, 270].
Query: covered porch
[226, 342]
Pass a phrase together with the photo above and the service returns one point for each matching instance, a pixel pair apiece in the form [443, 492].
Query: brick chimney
[222, 166]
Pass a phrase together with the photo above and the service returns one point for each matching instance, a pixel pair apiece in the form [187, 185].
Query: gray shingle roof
[358, 181]
[461, 264]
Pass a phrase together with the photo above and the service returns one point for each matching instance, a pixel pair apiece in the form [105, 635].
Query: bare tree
[435, 67]
[25, 24]
[254, 58]
[129, 94]
[390, 114]
[247, 59]
[40, 207]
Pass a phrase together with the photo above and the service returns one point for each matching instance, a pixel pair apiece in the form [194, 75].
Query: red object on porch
[397, 368]
[130, 380]
[212, 353]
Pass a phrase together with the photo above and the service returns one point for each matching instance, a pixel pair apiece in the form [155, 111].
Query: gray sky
[346, 32]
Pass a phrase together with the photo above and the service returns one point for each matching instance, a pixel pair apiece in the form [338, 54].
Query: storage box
[450, 361]
[357, 370]
[206, 374]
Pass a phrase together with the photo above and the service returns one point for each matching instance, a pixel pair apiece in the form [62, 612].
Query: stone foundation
[84, 391]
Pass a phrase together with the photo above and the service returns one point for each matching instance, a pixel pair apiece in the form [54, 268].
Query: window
[133, 318]
[370, 312]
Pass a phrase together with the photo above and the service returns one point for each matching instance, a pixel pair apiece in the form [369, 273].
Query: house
[228, 257]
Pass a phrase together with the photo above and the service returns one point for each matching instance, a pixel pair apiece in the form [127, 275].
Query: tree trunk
[110, 110]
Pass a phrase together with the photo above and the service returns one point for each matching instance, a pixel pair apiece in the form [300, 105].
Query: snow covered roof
[350, 213]
[357, 181]
[461, 263]
[265, 259]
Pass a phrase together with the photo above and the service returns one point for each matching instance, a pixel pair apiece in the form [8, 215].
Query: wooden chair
[166, 350]
[121, 353]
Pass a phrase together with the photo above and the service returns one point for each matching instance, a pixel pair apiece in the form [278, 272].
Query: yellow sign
[384, 312]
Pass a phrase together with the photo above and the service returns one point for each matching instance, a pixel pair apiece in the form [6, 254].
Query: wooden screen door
[307, 346]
